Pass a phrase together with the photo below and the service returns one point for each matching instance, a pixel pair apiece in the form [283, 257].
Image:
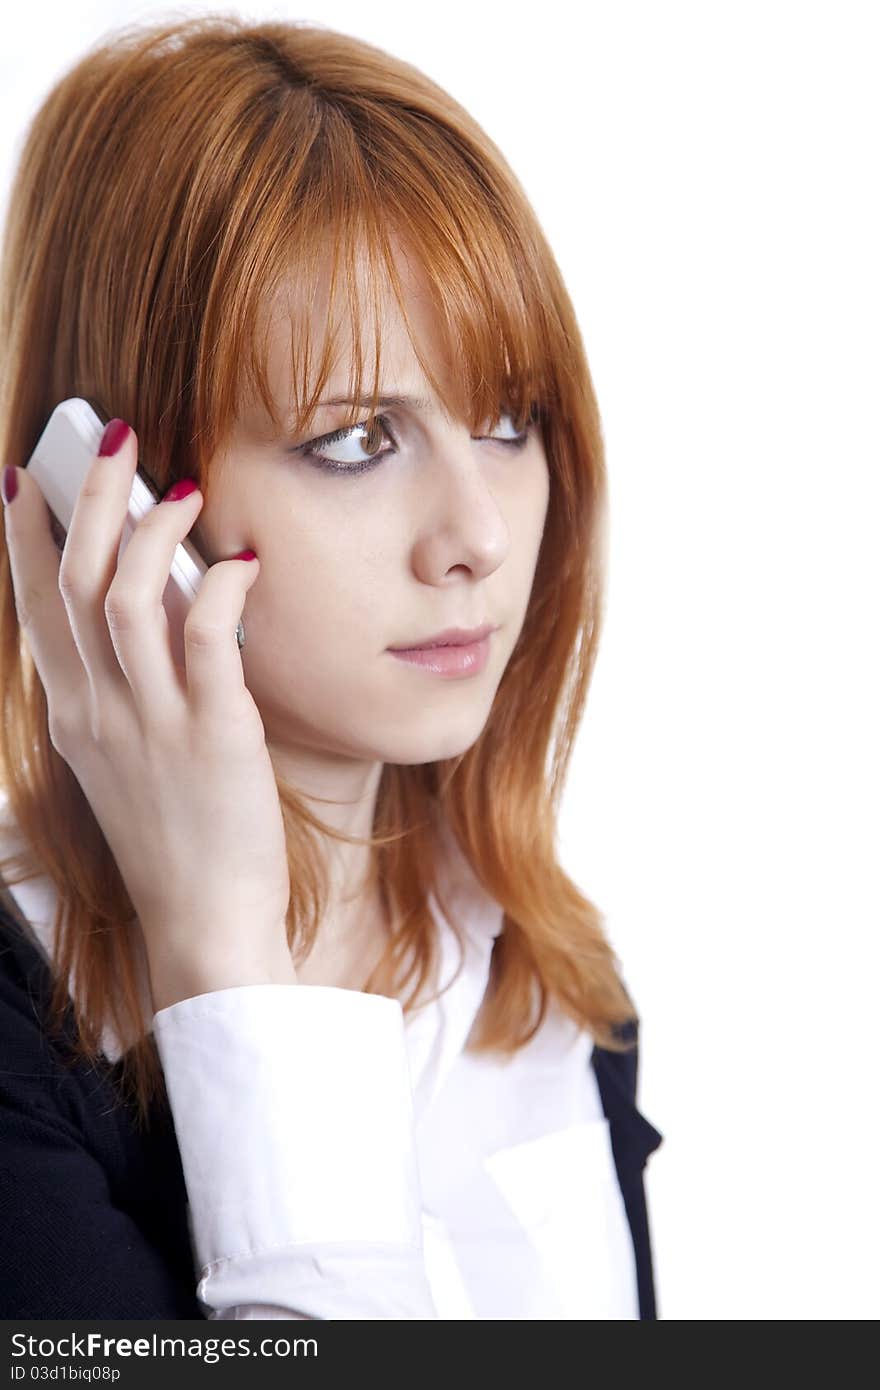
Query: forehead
[314, 313]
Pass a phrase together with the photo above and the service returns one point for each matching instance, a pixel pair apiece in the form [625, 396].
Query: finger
[135, 611]
[139, 627]
[214, 668]
[34, 564]
[88, 564]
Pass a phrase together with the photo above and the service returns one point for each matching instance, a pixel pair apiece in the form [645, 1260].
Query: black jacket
[93, 1216]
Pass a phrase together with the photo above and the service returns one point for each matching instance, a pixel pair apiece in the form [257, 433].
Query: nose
[462, 521]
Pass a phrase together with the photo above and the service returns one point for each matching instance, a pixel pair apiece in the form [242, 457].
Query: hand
[173, 763]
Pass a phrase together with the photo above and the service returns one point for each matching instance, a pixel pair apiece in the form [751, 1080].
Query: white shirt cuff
[293, 1111]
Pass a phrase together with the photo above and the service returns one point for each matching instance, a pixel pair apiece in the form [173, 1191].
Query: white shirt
[344, 1161]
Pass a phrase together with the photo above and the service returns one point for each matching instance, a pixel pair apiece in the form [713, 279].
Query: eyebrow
[395, 399]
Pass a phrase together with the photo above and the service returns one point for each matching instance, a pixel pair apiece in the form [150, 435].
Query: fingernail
[182, 488]
[113, 438]
[10, 482]
[245, 555]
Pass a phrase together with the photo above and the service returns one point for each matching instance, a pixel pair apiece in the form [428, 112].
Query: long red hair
[170, 182]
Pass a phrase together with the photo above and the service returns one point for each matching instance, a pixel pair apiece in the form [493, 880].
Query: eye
[316, 449]
[520, 438]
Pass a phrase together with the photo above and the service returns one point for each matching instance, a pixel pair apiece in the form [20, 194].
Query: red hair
[171, 182]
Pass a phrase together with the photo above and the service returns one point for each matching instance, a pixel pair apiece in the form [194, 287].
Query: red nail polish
[10, 482]
[245, 555]
[113, 438]
[182, 488]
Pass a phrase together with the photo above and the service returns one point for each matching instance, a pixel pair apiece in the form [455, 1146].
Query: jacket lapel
[633, 1138]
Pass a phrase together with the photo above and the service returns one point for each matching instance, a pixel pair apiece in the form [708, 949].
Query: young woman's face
[443, 531]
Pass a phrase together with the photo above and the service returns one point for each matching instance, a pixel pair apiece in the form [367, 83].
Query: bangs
[326, 226]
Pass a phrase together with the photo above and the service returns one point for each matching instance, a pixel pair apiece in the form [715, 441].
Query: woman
[300, 907]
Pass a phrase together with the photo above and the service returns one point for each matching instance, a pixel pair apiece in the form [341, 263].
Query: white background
[707, 174]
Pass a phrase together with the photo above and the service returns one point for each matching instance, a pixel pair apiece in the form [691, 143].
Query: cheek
[315, 599]
[542, 484]
[530, 511]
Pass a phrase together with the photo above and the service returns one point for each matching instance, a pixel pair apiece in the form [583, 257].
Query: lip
[450, 637]
[450, 662]
[454, 652]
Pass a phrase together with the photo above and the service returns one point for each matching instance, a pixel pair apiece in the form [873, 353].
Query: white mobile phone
[63, 455]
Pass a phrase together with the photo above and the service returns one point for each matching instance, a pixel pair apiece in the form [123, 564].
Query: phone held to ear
[59, 463]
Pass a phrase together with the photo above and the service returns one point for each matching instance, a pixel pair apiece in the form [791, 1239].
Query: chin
[411, 748]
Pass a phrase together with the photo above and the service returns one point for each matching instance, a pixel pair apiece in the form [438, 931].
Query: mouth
[452, 654]
[450, 637]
